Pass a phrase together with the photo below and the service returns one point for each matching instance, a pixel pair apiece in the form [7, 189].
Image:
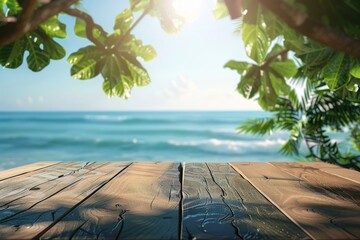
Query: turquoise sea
[28, 137]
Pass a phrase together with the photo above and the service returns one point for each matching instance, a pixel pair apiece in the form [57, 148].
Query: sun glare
[188, 9]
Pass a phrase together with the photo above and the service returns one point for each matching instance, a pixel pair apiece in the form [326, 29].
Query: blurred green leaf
[260, 126]
[80, 28]
[13, 7]
[138, 5]
[336, 72]
[314, 57]
[220, 10]
[87, 62]
[139, 75]
[240, 67]
[293, 40]
[38, 58]
[146, 52]
[268, 98]
[286, 68]
[55, 50]
[250, 82]
[136, 48]
[85, 69]
[11, 56]
[2, 5]
[117, 73]
[54, 28]
[279, 84]
[123, 21]
[355, 68]
[256, 42]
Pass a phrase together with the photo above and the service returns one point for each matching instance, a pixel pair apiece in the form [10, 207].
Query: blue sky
[187, 73]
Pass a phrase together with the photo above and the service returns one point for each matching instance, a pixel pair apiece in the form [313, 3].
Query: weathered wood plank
[348, 174]
[19, 171]
[16, 187]
[220, 204]
[321, 216]
[43, 201]
[325, 183]
[141, 203]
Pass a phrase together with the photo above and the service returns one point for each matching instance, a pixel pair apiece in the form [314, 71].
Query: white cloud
[30, 100]
[19, 102]
[184, 93]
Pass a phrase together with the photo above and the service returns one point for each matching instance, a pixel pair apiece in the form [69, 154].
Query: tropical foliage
[306, 77]
[313, 92]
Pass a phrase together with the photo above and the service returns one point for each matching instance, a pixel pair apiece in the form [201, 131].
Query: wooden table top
[167, 200]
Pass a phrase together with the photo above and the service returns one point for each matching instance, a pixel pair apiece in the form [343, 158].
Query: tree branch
[313, 29]
[16, 28]
[90, 25]
[28, 10]
[146, 11]
[271, 58]
[31, 19]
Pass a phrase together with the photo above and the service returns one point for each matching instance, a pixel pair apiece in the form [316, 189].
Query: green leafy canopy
[314, 90]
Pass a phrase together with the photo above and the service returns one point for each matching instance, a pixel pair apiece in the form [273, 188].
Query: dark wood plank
[45, 200]
[141, 203]
[348, 174]
[19, 171]
[220, 204]
[321, 215]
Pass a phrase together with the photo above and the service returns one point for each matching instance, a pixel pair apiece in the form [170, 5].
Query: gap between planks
[328, 206]
[29, 169]
[334, 170]
[181, 207]
[181, 170]
[63, 186]
[80, 202]
[271, 201]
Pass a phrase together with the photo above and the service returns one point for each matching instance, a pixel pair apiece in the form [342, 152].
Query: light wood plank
[321, 216]
[220, 204]
[14, 188]
[141, 203]
[325, 183]
[348, 174]
[38, 209]
[19, 171]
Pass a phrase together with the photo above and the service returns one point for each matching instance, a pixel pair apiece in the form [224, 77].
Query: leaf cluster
[315, 90]
[114, 56]
[308, 121]
[40, 44]
[116, 59]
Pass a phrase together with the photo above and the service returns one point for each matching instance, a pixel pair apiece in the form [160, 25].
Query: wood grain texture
[327, 184]
[20, 171]
[220, 204]
[319, 213]
[14, 188]
[348, 174]
[140, 203]
[38, 201]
